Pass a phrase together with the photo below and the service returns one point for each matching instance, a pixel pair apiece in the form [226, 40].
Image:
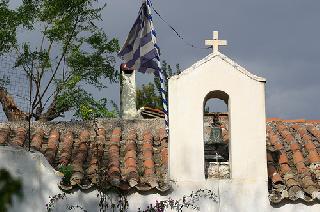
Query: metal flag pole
[164, 97]
[161, 76]
[141, 52]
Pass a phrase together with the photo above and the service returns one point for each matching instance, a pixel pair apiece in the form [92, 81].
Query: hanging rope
[177, 33]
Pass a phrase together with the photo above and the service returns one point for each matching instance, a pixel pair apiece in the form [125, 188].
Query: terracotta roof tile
[147, 154]
[274, 140]
[80, 156]
[272, 171]
[314, 131]
[4, 133]
[313, 121]
[111, 153]
[308, 144]
[148, 112]
[52, 148]
[135, 154]
[283, 158]
[273, 119]
[114, 157]
[20, 137]
[298, 157]
[313, 156]
[276, 178]
[285, 168]
[131, 172]
[163, 134]
[297, 142]
[295, 121]
[67, 143]
[37, 140]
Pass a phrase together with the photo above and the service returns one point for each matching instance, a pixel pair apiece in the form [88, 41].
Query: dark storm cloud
[278, 40]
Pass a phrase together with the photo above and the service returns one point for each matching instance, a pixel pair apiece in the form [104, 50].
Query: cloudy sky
[278, 40]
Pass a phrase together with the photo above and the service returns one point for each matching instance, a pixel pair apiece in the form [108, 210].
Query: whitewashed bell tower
[244, 94]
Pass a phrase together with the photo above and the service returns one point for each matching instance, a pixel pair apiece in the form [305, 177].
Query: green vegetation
[149, 95]
[72, 52]
[9, 187]
[67, 173]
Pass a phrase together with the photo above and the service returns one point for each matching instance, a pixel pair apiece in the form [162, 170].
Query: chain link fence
[15, 81]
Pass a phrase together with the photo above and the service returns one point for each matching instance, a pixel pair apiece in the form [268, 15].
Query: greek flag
[140, 51]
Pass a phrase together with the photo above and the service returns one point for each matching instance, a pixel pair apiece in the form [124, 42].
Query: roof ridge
[224, 58]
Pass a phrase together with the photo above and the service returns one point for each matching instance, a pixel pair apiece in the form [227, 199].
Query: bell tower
[219, 77]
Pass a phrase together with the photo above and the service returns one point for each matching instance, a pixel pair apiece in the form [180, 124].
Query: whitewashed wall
[40, 181]
[247, 188]
[128, 95]
[247, 120]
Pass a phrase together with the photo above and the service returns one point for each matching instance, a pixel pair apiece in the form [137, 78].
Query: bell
[215, 141]
[215, 135]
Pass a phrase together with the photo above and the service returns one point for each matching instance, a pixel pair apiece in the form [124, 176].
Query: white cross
[215, 43]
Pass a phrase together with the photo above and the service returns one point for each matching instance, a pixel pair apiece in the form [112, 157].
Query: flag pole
[163, 97]
[141, 52]
[162, 86]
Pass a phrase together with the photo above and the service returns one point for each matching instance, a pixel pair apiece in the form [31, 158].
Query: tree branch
[10, 108]
[52, 112]
[58, 65]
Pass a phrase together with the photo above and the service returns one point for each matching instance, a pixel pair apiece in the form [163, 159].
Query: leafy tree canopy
[150, 94]
[72, 51]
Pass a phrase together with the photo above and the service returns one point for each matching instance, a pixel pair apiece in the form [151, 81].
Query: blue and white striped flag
[140, 51]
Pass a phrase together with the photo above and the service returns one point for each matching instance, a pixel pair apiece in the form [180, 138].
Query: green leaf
[9, 187]
[67, 173]
[85, 106]
[8, 26]
[73, 51]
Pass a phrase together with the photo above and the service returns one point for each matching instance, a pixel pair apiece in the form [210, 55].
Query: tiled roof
[293, 158]
[293, 148]
[147, 112]
[123, 154]
[134, 154]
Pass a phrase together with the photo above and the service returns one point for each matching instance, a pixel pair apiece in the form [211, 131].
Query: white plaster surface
[40, 181]
[247, 121]
[247, 190]
[128, 96]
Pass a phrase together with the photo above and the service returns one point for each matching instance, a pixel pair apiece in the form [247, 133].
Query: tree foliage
[149, 95]
[187, 202]
[9, 187]
[72, 52]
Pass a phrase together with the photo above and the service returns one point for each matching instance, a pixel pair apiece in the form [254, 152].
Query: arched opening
[216, 135]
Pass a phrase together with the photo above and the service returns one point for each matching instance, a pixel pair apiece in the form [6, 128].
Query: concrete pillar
[127, 92]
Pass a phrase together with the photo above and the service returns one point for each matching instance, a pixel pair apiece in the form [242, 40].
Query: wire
[177, 33]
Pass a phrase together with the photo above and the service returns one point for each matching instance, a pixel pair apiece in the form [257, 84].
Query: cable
[177, 33]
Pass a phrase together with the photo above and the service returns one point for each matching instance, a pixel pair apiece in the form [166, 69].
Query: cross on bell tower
[215, 43]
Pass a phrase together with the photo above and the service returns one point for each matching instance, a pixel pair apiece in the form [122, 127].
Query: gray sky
[278, 40]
